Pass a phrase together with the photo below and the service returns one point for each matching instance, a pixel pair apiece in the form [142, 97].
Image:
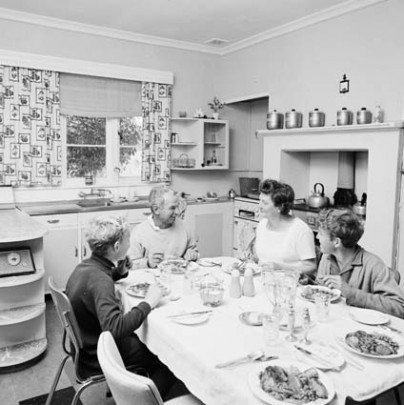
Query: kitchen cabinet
[22, 307]
[246, 149]
[211, 225]
[199, 144]
[61, 246]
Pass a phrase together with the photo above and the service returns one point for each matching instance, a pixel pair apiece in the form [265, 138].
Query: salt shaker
[306, 325]
[291, 324]
[248, 284]
[235, 286]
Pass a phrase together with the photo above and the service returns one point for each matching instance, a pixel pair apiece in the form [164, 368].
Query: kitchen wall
[193, 85]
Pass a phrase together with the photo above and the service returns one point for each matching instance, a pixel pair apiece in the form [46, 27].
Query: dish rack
[183, 161]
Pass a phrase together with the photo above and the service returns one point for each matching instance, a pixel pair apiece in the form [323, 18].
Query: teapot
[232, 193]
[318, 199]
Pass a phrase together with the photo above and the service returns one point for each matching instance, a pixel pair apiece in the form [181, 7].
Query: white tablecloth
[191, 352]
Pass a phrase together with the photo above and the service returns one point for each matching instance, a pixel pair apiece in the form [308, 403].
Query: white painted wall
[302, 69]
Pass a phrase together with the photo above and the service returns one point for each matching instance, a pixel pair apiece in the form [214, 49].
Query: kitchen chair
[71, 343]
[128, 388]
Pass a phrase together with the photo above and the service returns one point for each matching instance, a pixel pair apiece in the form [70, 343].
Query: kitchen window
[109, 149]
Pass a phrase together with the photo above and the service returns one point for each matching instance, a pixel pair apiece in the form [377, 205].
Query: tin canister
[274, 120]
[363, 116]
[316, 118]
[294, 119]
[344, 117]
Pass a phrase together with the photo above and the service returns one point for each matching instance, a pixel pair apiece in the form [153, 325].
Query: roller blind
[91, 96]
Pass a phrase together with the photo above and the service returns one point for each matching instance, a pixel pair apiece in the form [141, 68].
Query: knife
[189, 314]
[392, 329]
[317, 358]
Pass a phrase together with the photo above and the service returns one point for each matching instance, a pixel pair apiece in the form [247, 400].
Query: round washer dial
[13, 259]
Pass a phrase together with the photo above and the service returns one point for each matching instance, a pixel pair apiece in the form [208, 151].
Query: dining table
[193, 346]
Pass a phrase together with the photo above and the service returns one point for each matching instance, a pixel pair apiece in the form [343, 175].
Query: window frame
[112, 146]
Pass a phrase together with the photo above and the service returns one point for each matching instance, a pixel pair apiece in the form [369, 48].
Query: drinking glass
[322, 303]
[270, 329]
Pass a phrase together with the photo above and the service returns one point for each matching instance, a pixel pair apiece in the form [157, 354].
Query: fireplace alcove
[304, 156]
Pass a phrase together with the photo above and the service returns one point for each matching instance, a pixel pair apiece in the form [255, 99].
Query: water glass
[270, 329]
[322, 303]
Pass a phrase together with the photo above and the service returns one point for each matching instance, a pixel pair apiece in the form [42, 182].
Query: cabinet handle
[53, 221]
[76, 251]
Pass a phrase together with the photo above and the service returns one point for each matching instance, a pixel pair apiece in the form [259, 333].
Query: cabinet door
[61, 254]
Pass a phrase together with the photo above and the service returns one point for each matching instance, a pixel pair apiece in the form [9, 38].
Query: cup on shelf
[182, 114]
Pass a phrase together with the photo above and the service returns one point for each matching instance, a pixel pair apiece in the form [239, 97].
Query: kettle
[318, 199]
[232, 193]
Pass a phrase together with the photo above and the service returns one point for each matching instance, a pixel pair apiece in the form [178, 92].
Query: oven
[245, 221]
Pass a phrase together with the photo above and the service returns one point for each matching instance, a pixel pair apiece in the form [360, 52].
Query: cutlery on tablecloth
[387, 327]
[317, 358]
[353, 363]
[259, 355]
[188, 314]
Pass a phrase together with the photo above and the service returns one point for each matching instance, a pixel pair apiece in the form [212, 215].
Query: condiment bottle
[379, 115]
[235, 286]
[248, 284]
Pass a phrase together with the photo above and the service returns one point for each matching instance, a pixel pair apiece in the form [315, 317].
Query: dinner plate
[252, 318]
[340, 337]
[307, 292]
[254, 383]
[211, 198]
[368, 316]
[209, 263]
[234, 265]
[192, 319]
[139, 290]
[178, 266]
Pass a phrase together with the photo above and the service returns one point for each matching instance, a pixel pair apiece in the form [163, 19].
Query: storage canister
[363, 116]
[294, 119]
[344, 117]
[274, 120]
[316, 118]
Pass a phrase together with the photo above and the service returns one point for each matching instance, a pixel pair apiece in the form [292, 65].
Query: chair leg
[82, 388]
[397, 395]
[56, 380]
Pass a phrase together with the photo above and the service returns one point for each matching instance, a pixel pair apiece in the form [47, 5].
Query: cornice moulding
[77, 66]
[332, 12]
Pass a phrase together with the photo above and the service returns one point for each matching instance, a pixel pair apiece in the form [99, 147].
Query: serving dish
[308, 292]
[255, 386]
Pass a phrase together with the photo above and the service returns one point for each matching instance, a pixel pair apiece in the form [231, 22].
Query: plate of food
[369, 316]
[139, 290]
[285, 382]
[178, 265]
[309, 292]
[241, 266]
[369, 342]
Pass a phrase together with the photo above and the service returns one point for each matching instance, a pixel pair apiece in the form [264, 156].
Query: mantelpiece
[288, 155]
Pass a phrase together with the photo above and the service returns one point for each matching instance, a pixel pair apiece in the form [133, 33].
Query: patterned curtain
[156, 111]
[30, 138]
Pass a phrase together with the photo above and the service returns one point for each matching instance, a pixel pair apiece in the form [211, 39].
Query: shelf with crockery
[199, 144]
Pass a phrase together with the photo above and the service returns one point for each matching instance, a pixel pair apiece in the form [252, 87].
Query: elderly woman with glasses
[282, 239]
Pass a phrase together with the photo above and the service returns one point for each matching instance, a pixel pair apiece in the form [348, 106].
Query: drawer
[58, 220]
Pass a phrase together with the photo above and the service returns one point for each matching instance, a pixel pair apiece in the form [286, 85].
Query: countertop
[72, 207]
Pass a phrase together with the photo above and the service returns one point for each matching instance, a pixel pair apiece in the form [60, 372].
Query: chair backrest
[72, 342]
[127, 388]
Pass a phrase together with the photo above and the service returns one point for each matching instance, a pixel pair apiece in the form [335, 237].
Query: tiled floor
[37, 379]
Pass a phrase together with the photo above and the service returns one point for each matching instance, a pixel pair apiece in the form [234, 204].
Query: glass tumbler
[322, 303]
[270, 329]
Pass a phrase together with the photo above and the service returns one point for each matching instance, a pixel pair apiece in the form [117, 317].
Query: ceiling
[181, 23]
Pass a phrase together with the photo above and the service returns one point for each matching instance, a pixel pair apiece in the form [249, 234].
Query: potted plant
[216, 105]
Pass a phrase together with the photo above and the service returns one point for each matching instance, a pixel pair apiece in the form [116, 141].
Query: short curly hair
[343, 224]
[282, 194]
[104, 232]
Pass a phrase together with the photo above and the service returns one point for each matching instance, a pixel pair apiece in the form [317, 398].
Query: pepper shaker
[235, 286]
[248, 284]
[306, 325]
